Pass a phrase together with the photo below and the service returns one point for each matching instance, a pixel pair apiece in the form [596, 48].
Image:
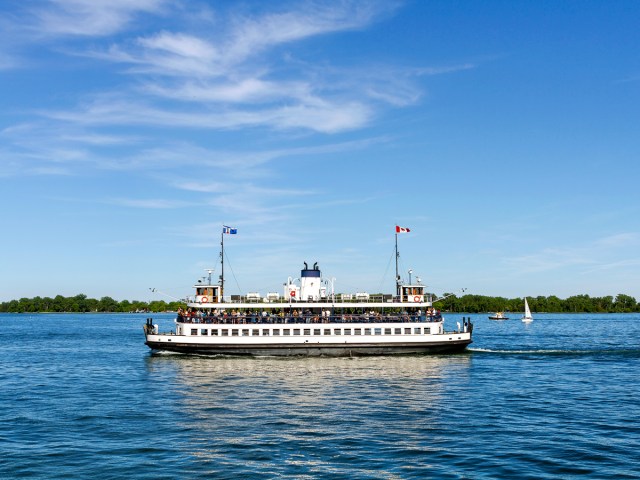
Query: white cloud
[251, 35]
[90, 17]
[244, 90]
[226, 70]
[327, 117]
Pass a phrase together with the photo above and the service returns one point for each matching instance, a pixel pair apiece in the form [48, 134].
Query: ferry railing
[344, 299]
[256, 319]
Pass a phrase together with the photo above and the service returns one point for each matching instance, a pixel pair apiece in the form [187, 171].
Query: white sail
[527, 312]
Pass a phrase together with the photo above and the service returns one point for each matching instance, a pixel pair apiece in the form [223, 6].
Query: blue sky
[504, 134]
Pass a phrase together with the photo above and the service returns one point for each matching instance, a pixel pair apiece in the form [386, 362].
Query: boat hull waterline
[310, 351]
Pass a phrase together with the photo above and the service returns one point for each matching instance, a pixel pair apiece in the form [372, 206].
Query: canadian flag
[402, 229]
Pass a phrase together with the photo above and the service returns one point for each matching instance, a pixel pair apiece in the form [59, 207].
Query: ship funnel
[310, 283]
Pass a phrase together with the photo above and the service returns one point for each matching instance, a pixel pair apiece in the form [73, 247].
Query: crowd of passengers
[238, 317]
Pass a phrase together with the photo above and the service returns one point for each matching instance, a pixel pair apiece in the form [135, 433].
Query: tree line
[621, 303]
[465, 304]
[81, 303]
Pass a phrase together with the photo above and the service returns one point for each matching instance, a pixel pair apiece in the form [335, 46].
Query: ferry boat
[308, 318]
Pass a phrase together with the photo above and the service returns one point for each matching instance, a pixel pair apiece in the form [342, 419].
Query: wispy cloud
[630, 263]
[153, 203]
[593, 256]
[629, 79]
[232, 69]
[232, 38]
[549, 259]
[228, 74]
[326, 117]
[89, 17]
[620, 240]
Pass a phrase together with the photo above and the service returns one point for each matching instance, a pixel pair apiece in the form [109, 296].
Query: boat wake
[624, 351]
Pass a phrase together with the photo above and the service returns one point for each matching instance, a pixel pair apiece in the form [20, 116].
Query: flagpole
[222, 263]
[397, 277]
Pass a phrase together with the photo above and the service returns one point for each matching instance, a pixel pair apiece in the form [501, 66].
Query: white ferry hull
[334, 346]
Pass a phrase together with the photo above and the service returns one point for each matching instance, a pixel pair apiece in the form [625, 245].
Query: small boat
[499, 316]
[308, 318]
[527, 318]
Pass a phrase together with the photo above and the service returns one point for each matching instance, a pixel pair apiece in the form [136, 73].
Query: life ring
[204, 300]
[416, 298]
[292, 293]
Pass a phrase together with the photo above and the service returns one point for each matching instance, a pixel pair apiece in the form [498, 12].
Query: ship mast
[222, 264]
[397, 276]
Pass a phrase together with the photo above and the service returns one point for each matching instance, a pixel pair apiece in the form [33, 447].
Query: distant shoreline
[480, 304]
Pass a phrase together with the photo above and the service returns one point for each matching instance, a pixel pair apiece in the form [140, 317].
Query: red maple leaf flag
[402, 229]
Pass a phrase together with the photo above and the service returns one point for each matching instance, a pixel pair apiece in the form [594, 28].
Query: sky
[504, 134]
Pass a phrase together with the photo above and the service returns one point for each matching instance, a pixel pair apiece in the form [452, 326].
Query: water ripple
[554, 399]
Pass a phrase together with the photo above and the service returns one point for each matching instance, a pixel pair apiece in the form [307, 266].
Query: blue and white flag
[229, 230]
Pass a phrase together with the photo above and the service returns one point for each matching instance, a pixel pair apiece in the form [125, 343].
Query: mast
[222, 264]
[398, 283]
[397, 276]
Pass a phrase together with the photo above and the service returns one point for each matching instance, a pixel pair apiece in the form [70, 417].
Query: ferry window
[357, 331]
[367, 331]
[347, 331]
[327, 331]
[337, 331]
[255, 333]
[316, 331]
[427, 330]
[234, 332]
[296, 331]
[407, 331]
[387, 331]
[194, 331]
[416, 330]
[204, 331]
[225, 332]
[286, 331]
[245, 332]
[377, 331]
[307, 331]
[276, 331]
[397, 331]
[265, 332]
[214, 331]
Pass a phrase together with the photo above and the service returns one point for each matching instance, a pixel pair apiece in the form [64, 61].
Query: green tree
[625, 303]
[107, 304]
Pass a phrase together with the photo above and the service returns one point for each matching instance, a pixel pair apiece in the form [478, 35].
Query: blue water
[81, 396]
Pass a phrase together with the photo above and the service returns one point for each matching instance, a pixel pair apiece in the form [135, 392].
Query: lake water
[81, 396]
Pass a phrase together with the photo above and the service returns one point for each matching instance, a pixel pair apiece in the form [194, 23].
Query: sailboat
[527, 313]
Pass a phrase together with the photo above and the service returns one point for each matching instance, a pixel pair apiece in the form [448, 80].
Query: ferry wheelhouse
[308, 318]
